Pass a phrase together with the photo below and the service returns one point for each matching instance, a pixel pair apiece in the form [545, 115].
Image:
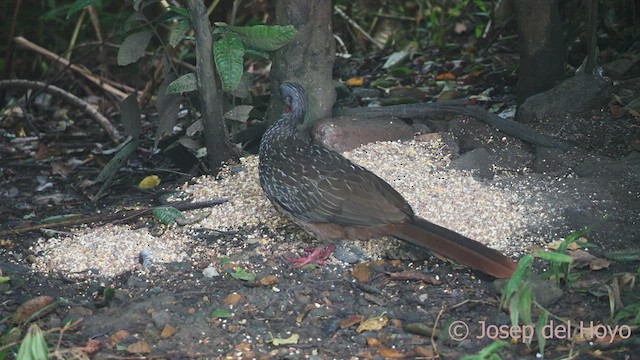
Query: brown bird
[332, 198]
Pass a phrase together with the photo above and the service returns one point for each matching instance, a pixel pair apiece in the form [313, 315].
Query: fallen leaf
[573, 246]
[415, 275]
[355, 81]
[268, 280]
[350, 321]
[291, 340]
[361, 272]
[91, 347]
[139, 347]
[232, 298]
[167, 331]
[391, 353]
[117, 336]
[149, 182]
[33, 308]
[373, 323]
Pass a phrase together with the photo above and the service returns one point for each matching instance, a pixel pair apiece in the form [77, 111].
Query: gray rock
[577, 94]
[479, 160]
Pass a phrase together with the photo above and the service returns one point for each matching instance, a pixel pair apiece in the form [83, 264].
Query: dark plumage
[333, 198]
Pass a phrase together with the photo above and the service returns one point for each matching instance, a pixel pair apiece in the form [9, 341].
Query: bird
[333, 198]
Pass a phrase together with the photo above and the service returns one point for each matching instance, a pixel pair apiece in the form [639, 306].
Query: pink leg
[319, 256]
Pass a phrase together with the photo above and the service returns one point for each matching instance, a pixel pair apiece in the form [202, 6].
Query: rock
[515, 157]
[577, 94]
[347, 133]
[472, 134]
[479, 160]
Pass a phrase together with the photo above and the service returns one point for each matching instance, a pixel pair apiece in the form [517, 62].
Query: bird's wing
[325, 187]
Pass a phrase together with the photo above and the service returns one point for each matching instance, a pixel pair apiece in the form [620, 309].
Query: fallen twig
[82, 71]
[109, 218]
[460, 106]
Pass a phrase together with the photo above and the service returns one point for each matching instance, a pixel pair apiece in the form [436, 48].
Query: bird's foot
[318, 256]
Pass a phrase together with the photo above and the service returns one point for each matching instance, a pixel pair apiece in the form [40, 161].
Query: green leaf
[133, 47]
[228, 53]
[179, 31]
[180, 11]
[167, 215]
[221, 313]
[79, 5]
[540, 335]
[108, 293]
[185, 83]
[33, 346]
[241, 274]
[136, 20]
[554, 257]
[264, 37]
[130, 115]
[623, 255]
[117, 161]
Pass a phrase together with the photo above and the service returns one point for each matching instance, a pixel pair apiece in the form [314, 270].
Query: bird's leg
[319, 256]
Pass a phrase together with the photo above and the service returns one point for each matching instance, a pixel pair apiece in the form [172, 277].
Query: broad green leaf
[185, 83]
[179, 31]
[241, 274]
[130, 115]
[166, 214]
[554, 257]
[228, 53]
[180, 11]
[168, 106]
[264, 37]
[118, 160]
[134, 21]
[221, 313]
[79, 5]
[133, 47]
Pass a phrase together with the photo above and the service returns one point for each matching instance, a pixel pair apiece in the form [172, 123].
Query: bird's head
[294, 97]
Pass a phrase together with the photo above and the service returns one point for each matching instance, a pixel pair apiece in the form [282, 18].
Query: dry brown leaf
[117, 336]
[268, 280]
[391, 353]
[92, 346]
[573, 246]
[582, 259]
[373, 323]
[243, 347]
[350, 321]
[36, 307]
[373, 342]
[139, 347]
[232, 298]
[361, 272]
[415, 275]
[167, 331]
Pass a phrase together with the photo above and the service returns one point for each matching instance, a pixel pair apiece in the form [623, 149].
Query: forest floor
[222, 287]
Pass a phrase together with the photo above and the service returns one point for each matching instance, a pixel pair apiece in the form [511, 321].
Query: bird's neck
[288, 127]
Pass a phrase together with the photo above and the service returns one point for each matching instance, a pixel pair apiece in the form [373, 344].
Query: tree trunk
[308, 59]
[219, 148]
[542, 48]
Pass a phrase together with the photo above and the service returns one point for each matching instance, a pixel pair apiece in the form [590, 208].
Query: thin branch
[121, 216]
[82, 71]
[357, 27]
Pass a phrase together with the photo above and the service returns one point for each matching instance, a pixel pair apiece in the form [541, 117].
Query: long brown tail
[455, 247]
